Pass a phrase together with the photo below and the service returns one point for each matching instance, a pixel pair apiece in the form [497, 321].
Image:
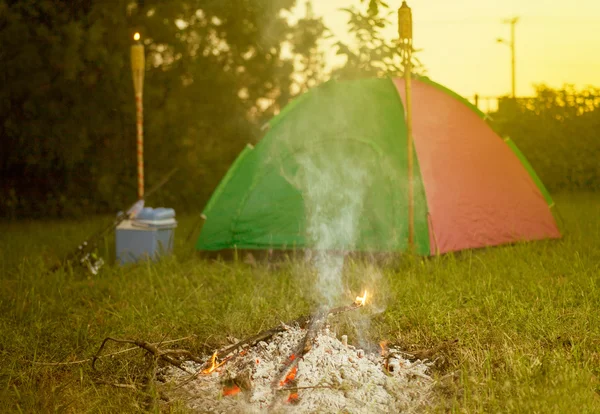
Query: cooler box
[147, 236]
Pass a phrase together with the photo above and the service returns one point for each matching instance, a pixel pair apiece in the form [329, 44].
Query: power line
[560, 19]
[527, 19]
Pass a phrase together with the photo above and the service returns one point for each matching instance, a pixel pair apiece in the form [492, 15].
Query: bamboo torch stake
[137, 68]
[406, 42]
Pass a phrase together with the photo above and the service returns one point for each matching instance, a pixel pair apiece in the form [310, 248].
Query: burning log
[315, 324]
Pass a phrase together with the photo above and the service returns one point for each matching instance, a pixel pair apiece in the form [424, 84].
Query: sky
[557, 42]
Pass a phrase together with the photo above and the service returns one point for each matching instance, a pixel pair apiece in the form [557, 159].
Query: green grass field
[526, 317]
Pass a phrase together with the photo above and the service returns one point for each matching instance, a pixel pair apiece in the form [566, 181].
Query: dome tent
[344, 144]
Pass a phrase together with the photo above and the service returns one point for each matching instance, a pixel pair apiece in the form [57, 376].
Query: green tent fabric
[331, 173]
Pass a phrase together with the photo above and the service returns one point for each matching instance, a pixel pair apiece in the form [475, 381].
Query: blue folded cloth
[160, 213]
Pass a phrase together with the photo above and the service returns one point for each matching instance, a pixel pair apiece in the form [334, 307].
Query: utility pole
[511, 44]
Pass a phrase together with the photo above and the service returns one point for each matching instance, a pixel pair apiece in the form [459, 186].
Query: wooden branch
[133, 348]
[151, 348]
[184, 353]
[314, 326]
[342, 309]
[117, 385]
[307, 388]
[263, 335]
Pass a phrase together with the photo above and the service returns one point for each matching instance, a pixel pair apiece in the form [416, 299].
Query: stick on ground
[133, 348]
[151, 348]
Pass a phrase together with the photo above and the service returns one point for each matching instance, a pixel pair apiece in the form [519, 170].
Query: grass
[525, 316]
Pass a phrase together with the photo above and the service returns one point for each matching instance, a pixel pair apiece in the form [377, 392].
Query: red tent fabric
[478, 192]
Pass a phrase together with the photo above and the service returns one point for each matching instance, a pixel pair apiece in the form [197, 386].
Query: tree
[371, 55]
[215, 71]
[308, 33]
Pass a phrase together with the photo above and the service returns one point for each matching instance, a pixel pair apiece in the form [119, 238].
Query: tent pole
[405, 33]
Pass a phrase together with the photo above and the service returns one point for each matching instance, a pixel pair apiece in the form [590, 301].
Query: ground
[525, 317]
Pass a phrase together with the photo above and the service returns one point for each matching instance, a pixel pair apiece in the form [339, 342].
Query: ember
[233, 390]
[290, 377]
[293, 398]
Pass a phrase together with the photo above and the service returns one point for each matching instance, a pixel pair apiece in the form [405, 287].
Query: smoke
[347, 181]
[333, 183]
[334, 192]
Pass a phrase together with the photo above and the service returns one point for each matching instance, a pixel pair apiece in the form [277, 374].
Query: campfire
[302, 366]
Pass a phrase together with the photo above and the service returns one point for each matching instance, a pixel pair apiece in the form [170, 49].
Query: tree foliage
[215, 70]
[558, 132]
[371, 54]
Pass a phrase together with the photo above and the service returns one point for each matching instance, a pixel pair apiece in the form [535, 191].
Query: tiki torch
[405, 39]
[137, 69]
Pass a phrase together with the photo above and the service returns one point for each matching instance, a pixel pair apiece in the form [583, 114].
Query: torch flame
[361, 300]
[136, 36]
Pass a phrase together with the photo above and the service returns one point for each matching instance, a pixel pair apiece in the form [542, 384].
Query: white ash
[343, 379]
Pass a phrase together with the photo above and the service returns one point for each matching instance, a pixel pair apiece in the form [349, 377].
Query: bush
[559, 133]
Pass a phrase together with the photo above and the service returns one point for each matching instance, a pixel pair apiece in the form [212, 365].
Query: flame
[233, 390]
[361, 300]
[290, 376]
[136, 36]
[383, 345]
[213, 364]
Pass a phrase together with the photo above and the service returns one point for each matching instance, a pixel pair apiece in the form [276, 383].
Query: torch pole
[140, 144]
[405, 33]
[137, 67]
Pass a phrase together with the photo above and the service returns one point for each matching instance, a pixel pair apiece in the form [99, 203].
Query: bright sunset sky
[557, 42]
